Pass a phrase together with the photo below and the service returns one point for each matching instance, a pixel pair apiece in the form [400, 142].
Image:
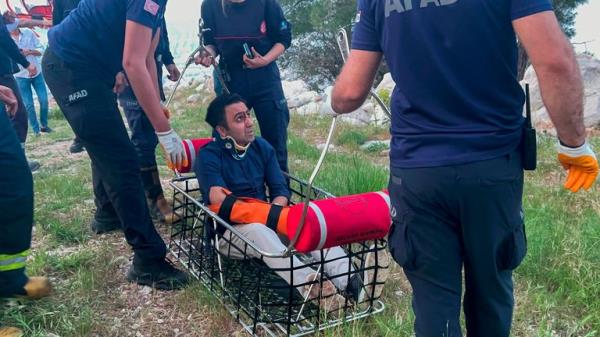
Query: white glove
[173, 148]
[327, 108]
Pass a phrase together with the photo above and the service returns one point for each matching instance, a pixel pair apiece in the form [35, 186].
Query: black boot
[104, 223]
[159, 274]
[76, 147]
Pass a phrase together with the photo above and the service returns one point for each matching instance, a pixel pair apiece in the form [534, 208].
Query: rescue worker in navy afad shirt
[261, 25]
[459, 146]
[16, 214]
[86, 51]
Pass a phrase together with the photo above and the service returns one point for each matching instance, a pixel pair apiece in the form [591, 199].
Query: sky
[587, 24]
[587, 27]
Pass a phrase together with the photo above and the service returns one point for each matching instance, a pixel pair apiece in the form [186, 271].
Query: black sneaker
[76, 147]
[101, 226]
[363, 285]
[46, 129]
[160, 275]
[33, 165]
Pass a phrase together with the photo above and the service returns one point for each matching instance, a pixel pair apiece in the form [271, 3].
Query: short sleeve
[208, 34]
[366, 35]
[523, 8]
[279, 29]
[145, 12]
[208, 172]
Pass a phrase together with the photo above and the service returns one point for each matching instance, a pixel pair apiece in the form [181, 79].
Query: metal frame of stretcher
[262, 302]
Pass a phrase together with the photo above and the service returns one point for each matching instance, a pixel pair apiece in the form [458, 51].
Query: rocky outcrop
[590, 71]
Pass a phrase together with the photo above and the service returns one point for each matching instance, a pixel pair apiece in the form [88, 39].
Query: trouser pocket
[400, 243]
[513, 248]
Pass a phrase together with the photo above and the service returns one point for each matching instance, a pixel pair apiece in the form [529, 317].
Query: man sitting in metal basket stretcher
[244, 165]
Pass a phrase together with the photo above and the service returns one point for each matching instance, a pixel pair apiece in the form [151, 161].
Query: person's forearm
[216, 195]
[275, 52]
[145, 89]
[354, 82]
[32, 23]
[562, 92]
[151, 65]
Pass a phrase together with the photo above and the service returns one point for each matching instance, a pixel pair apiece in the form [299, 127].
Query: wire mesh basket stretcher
[259, 299]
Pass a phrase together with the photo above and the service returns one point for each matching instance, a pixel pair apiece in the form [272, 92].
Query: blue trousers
[449, 218]
[39, 85]
[144, 142]
[16, 210]
[261, 88]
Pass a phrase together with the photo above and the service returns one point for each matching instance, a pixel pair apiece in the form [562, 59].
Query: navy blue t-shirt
[93, 34]
[457, 98]
[247, 177]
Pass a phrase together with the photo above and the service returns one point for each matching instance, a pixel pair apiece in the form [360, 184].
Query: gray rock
[193, 98]
[375, 144]
[590, 72]
[321, 146]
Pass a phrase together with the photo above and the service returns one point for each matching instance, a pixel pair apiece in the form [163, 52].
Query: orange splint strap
[241, 210]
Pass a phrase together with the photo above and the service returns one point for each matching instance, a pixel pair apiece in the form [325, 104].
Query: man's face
[240, 125]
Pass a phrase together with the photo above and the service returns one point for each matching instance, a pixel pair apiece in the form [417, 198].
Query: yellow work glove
[582, 165]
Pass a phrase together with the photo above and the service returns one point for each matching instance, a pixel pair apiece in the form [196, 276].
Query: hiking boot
[46, 129]
[33, 288]
[76, 147]
[101, 225]
[160, 210]
[9, 331]
[37, 287]
[368, 281]
[33, 165]
[159, 274]
[324, 294]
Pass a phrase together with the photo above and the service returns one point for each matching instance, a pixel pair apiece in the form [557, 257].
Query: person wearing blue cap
[86, 51]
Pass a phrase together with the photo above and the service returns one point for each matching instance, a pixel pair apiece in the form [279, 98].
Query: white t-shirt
[28, 40]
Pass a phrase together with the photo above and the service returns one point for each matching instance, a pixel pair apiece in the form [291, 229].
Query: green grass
[557, 288]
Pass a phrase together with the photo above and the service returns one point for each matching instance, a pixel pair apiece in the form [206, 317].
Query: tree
[314, 56]
[566, 11]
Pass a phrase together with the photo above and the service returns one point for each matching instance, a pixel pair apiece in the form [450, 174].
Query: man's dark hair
[215, 114]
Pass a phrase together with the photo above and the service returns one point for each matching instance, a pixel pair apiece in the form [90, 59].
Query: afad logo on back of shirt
[151, 7]
[401, 6]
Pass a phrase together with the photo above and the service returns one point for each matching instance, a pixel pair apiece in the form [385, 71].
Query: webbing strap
[227, 207]
[13, 261]
[273, 217]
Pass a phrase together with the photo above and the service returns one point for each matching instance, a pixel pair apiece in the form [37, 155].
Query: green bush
[351, 137]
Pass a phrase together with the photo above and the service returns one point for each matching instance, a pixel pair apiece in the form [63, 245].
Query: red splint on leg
[337, 221]
[329, 222]
[192, 146]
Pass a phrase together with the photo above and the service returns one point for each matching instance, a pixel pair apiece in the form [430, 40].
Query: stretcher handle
[290, 247]
[344, 47]
[189, 61]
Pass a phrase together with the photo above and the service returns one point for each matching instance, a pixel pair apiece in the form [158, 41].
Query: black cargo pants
[449, 218]
[90, 107]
